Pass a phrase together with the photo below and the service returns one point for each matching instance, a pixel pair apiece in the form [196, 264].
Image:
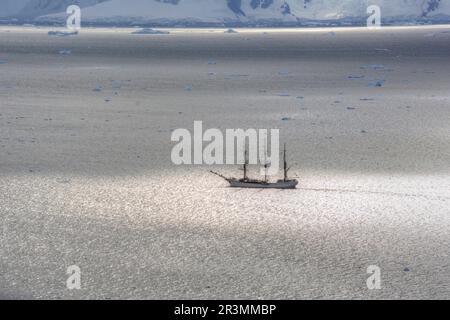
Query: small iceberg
[65, 52]
[373, 67]
[62, 33]
[286, 119]
[150, 31]
[230, 31]
[376, 84]
[98, 88]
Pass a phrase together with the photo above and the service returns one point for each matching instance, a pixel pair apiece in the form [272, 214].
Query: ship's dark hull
[291, 184]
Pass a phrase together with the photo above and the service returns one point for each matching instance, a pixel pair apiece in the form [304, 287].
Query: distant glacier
[226, 12]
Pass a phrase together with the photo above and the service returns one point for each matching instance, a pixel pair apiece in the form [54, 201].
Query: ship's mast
[265, 161]
[285, 163]
[245, 165]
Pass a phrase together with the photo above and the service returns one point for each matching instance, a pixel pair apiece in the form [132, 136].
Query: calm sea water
[86, 177]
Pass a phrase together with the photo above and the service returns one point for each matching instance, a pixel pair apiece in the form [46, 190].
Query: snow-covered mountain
[35, 8]
[10, 8]
[240, 12]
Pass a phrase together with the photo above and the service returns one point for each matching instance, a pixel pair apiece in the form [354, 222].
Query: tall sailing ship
[245, 182]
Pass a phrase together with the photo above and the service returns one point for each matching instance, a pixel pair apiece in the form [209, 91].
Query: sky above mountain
[219, 11]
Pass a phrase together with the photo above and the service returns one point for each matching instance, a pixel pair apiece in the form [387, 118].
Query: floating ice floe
[150, 31]
[283, 94]
[2, 62]
[65, 52]
[188, 88]
[212, 62]
[376, 83]
[373, 66]
[98, 88]
[355, 77]
[286, 118]
[230, 31]
[62, 33]
[382, 50]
